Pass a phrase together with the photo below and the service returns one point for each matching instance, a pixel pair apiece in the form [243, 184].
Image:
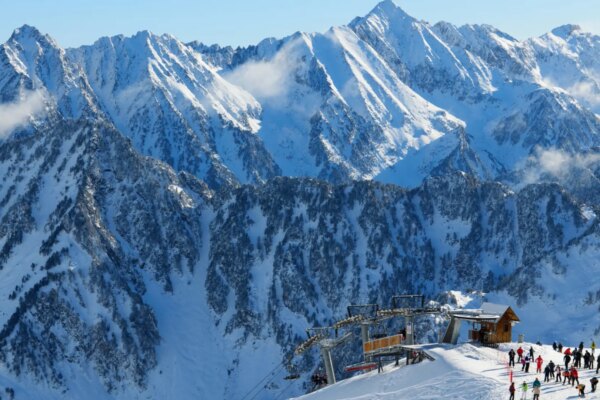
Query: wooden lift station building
[491, 324]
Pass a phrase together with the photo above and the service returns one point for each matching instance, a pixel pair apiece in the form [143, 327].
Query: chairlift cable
[262, 381]
[285, 389]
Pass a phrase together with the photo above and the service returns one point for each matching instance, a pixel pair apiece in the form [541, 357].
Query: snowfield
[459, 372]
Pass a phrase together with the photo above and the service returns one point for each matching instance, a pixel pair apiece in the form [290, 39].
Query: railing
[383, 343]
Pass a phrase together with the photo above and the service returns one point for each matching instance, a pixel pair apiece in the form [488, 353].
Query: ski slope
[462, 372]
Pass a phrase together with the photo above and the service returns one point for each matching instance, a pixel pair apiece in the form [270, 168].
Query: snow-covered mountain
[387, 97]
[502, 100]
[168, 211]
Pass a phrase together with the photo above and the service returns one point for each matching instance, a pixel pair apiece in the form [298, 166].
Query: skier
[581, 346]
[598, 363]
[594, 382]
[547, 373]
[593, 347]
[511, 390]
[554, 346]
[523, 364]
[527, 362]
[520, 353]
[511, 358]
[558, 374]
[574, 376]
[581, 390]
[560, 347]
[539, 362]
[531, 353]
[524, 388]
[537, 388]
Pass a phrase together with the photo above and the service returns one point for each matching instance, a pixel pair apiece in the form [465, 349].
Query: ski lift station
[490, 325]
[376, 346]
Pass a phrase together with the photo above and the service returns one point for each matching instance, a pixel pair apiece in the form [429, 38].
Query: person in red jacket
[520, 353]
[568, 351]
[566, 377]
[574, 376]
[539, 362]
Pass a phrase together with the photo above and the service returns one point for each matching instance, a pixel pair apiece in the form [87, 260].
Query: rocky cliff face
[164, 218]
[95, 237]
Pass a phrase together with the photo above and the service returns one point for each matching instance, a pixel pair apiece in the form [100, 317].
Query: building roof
[489, 312]
[491, 308]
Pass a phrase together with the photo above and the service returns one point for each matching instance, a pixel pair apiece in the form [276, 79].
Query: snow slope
[463, 372]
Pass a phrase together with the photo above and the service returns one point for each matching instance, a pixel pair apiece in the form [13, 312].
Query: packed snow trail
[459, 372]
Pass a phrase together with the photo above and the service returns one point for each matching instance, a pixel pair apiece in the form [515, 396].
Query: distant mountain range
[173, 216]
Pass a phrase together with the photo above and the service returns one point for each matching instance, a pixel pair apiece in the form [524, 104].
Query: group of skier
[553, 371]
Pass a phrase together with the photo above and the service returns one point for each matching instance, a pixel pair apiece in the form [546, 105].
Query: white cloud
[264, 79]
[586, 91]
[556, 163]
[17, 113]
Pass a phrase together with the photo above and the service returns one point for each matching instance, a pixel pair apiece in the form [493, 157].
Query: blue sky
[243, 22]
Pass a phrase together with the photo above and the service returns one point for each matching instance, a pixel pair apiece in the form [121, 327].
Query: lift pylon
[321, 337]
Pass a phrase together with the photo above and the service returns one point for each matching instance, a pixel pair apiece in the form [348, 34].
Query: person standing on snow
[593, 347]
[558, 374]
[539, 362]
[511, 358]
[552, 367]
[577, 355]
[560, 347]
[574, 376]
[581, 346]
[537, 389]
[523, 364]
[554, 346]
[520, 353]
[524, 388]
[511, 390]
[531, 353]
[566, 377]
[527, 362]
[598, 363]
[567, 359]
[586, 359]
[547, 373]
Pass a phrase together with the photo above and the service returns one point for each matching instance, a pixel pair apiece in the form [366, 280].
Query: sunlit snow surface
[463, 372]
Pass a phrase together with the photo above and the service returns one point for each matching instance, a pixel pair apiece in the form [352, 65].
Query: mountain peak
[385, 10]
[26, 30]
[28, 33]
[389, 8]
[565, 31]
